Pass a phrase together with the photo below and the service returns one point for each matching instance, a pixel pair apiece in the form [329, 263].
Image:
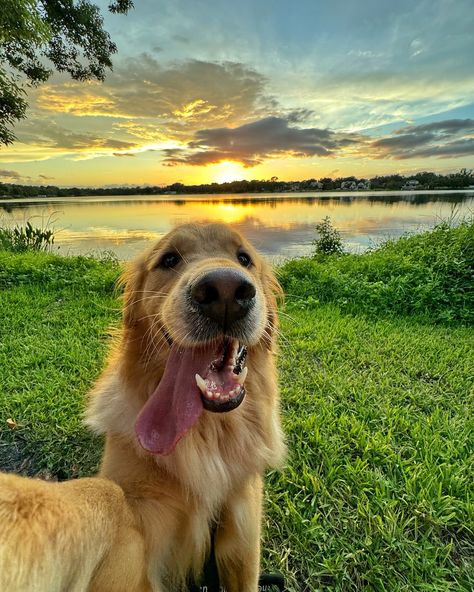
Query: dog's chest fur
[186, 491]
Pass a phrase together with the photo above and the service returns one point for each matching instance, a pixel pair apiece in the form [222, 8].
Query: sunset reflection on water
[279, 225]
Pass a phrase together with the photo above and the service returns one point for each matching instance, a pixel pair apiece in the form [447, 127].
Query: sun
[227, 171]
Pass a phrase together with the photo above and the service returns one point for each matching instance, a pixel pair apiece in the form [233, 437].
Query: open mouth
[222, 386]
[205, 377]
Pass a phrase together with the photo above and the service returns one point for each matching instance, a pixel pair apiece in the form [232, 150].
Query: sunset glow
[226, 171]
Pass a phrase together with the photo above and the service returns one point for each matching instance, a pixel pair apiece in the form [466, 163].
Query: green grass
[377, 493]
[55, 316]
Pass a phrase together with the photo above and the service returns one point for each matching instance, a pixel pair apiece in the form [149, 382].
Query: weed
[26, 238]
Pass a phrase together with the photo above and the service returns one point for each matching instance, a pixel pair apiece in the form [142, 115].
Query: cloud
[463, 147]
[181, 94]
[367, 53]
[10, 174]
[50, 135]
[401, 142]
[252, 143]
[448, 126]
[449, 139]
[45, 177]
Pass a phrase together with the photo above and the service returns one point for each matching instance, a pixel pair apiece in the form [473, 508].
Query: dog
[189, 406]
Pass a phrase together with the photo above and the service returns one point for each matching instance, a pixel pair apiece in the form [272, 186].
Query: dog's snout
[224, 295]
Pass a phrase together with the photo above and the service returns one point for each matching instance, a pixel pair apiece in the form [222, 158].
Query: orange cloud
[189, 92]
[75, 99]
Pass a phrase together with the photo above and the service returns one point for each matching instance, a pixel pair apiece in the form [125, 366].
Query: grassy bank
[377, 398]
[430, 275]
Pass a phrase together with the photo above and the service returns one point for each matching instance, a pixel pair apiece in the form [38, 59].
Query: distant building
[411, 185]
[355, 185]
[349, 185]
[316, 185]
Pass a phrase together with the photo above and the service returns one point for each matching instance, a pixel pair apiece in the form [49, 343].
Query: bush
[329, 241]
[26, 238]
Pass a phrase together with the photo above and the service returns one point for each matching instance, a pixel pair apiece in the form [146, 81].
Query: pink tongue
[175, 405]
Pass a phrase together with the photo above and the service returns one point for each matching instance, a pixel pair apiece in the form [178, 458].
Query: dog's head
[202, 297]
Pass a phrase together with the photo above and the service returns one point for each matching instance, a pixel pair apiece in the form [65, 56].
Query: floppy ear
[131, 282]
[273, 295]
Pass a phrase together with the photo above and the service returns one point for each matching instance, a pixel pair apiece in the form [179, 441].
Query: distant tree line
[420, 181]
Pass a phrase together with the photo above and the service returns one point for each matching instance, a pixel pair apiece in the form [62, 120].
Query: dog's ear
[131, 283]
[274, 296]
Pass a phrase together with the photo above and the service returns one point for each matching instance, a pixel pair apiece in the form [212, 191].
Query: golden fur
[144, 523]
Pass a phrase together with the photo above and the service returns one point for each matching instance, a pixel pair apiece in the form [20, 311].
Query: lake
[280, 225]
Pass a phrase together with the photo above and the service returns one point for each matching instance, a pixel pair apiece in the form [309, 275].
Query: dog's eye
[244, 259]
[169, 260]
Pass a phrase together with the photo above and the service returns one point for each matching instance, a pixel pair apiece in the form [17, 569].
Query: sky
[213, 91]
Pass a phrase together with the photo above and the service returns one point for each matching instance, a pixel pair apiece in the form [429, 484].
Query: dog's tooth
[233, 350]
[201, 383]
[243, 375]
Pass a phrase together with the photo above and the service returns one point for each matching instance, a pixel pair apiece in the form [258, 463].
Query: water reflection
[280, 225]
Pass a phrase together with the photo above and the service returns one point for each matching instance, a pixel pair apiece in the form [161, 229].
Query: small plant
[329, 241]
[26, 238]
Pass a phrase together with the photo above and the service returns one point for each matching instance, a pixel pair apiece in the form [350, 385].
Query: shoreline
[246, 196]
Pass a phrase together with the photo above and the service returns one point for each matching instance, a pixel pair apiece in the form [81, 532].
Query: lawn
[377, 396]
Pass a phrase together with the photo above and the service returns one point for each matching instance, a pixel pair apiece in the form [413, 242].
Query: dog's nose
[224, 295]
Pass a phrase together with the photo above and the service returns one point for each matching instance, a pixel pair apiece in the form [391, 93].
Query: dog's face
[211, 284]
[204, 296]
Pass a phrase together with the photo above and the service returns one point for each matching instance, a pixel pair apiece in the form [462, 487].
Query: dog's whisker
[144, 299]
[150, 316]
[155, 346]
[288, 316]
[182, 256]
[150, 292]
[295, 296]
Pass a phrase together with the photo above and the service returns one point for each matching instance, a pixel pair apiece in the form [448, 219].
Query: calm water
[280, 225]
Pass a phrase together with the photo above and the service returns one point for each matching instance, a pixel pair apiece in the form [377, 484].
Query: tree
[68, 34]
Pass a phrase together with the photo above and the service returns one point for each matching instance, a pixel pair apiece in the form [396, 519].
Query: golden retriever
[189, 406]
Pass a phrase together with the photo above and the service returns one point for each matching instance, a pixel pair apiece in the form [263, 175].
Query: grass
[377, 402]
[378, 491]
[55, 316]
[430, 274]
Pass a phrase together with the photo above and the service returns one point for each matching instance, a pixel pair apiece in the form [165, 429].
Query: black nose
[224, 295]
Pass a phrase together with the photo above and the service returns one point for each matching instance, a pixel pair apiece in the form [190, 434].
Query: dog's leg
[124, 567]
[76, 536]
[237, 540]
